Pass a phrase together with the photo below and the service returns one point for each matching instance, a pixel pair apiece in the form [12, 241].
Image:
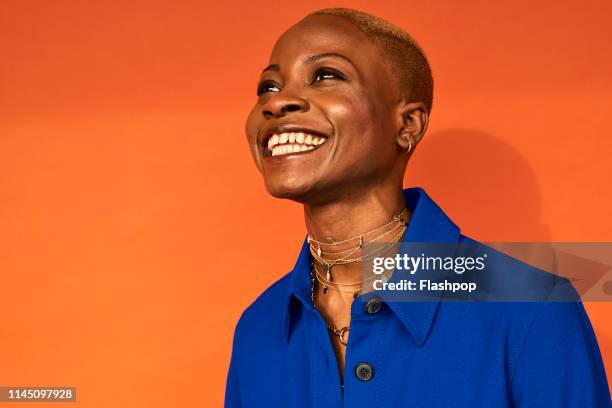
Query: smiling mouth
[287, 143]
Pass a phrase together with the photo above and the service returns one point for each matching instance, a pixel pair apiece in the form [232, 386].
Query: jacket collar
[427, 224]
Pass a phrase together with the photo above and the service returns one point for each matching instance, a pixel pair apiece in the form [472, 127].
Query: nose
[279, 105]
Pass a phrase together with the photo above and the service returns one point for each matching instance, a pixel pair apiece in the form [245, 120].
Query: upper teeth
[290, 142]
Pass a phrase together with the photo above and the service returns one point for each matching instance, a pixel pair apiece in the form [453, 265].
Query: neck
[349, 217]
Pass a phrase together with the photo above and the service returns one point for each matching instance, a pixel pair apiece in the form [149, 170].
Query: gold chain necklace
[402, 222]
[360, 236]
[370, 255]
[339, 286]
[341, 332]
[367, 257]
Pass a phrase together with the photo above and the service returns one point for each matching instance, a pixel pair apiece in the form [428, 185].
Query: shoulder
[506, 277]
[257, 338]
[513, 296]
[538, 310]
[557, 361]
[264, 316]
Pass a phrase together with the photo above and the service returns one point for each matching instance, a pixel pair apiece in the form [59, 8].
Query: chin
[296, 193]
[289, 188]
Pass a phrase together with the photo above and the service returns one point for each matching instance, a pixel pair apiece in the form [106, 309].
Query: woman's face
[324, 125]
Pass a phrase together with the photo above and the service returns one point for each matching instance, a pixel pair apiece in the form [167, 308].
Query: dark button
[364, 371]
[373, 306]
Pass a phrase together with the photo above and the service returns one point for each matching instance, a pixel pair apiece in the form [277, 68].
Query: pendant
[328, 274]
[341, 334]
[319, 251]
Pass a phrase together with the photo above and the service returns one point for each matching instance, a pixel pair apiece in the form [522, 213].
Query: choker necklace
[398, 224]
[360, 236]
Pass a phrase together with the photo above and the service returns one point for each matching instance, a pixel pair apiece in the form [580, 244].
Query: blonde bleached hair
[405, 57]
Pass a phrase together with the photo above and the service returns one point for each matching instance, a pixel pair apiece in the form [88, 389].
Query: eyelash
[262, 86]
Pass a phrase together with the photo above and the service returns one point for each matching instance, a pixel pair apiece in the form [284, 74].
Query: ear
[412, 121]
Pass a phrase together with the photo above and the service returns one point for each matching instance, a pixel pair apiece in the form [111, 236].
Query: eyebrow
[310, 59]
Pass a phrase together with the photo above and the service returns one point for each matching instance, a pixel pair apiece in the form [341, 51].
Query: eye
[322, 74]
[266, 86]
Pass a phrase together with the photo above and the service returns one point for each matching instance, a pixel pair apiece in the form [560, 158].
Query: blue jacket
[419, 354]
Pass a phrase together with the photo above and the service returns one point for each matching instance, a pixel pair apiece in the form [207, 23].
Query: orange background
[135, 227]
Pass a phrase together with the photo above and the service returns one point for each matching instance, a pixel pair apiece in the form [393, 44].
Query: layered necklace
[324, 254]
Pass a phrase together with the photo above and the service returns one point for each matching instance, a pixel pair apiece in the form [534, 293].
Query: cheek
[362, 124]
[355, 118]
[350, 114]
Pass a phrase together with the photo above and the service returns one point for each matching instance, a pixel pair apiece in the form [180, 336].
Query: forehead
[327, 33]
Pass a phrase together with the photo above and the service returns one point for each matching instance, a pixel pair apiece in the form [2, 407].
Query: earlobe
[407, 141]
[413, 120]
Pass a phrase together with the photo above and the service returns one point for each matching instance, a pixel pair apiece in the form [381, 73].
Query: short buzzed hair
[406, 59]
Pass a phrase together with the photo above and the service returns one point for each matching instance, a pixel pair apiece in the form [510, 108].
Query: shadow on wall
[490, 190]
[483, 183]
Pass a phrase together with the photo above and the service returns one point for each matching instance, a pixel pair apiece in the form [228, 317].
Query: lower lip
[280, 158]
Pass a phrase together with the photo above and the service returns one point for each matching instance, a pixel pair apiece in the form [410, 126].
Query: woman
[341, 107]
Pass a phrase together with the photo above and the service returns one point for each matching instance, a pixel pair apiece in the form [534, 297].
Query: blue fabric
[424, 354]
